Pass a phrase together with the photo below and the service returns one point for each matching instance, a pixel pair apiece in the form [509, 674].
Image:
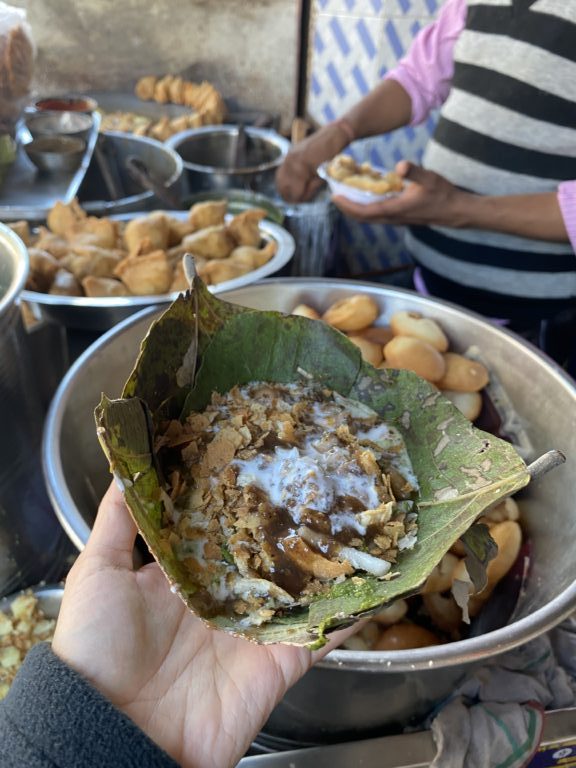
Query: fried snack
[148, 274]
[103, 286]
[391, 613]
[147, 234]
[463, 374]
[217, 271]
[145, 88]
[371, 352]
[43, 268]
[379, 334]
[244, 227]
[99, 232]
[203, 97]
[54, 244]
[22, 229]
[90, 260]
[253, 257]
[352, 314]
[415, 355]
[404, 635]
[341, 167]
[440, 579]
[444, 612]
[303, 310]
[211, 242]
[363, 176]
[64, 218]
[468, 403]
[208, 214]
[65, 284]
[414, 324]
[178, 229]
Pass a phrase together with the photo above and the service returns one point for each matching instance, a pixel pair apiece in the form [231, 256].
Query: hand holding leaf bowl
[286, 487]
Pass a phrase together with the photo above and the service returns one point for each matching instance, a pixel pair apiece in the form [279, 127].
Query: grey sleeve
[53, 718]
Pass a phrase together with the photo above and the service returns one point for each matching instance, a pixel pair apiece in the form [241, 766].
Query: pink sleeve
[567, 200]
[426, 71]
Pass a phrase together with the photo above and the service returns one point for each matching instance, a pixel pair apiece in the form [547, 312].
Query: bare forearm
[536, 216]
[384, 109]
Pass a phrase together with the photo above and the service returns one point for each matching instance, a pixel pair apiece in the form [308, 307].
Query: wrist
[347, 129]
[464, 210]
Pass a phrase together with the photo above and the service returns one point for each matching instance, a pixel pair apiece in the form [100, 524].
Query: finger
[412, 172]
[312, 187]
[114, 531]
[377, 212]
[403, 168]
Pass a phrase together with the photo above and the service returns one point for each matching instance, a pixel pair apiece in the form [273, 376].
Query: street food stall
[304, 442]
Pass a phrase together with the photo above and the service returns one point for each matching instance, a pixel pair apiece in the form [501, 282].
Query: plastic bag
[17, 54]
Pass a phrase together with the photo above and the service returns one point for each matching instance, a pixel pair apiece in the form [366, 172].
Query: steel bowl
[102, 313]
[213, 160]
[108, 188]
[73, 124]
[56, 154]
[49, 598]
[355, 693]
[66, 103]
[32, 546]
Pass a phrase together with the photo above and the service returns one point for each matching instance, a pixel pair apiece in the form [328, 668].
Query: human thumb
[410, 171]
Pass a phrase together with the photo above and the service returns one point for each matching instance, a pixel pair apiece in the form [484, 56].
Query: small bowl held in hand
[56, 154]
[74, 124]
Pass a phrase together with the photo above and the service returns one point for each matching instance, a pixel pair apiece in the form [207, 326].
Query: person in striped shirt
[491, 214]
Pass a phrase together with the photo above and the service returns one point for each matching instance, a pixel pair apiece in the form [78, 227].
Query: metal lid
[14, 265]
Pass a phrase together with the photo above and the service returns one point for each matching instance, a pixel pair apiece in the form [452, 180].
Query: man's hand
[296, 179]
[200, 694]
[427, 199]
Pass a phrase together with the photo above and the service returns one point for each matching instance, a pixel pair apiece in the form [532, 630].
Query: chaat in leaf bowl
[285, 486]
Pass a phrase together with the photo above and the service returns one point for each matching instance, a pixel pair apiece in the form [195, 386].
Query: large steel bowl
[356, 693]
[219, 157]
[32, 546]
[100, 313]
[108, 188]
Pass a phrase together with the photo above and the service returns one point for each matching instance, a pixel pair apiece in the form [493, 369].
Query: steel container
[108, 188]
[31, 541]
[213, 159]
[354, 693]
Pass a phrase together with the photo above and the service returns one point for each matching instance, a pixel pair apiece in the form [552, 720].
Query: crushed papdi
[278, 491]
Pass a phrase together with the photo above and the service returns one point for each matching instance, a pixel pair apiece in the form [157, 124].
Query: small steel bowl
[64, 104]
[53, 123]
[56, 154]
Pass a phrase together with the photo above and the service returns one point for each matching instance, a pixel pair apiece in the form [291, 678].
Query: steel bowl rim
[41, 591]
[89, 100]
[451, 654]
[21, 266]
[54, 114]
[272, 136]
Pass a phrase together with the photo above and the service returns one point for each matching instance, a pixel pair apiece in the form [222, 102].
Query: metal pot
[31, 543]
[213, 159]
[108, 188]
[355, 693]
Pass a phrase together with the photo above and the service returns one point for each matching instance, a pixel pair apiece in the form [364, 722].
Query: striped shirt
[505, 71]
